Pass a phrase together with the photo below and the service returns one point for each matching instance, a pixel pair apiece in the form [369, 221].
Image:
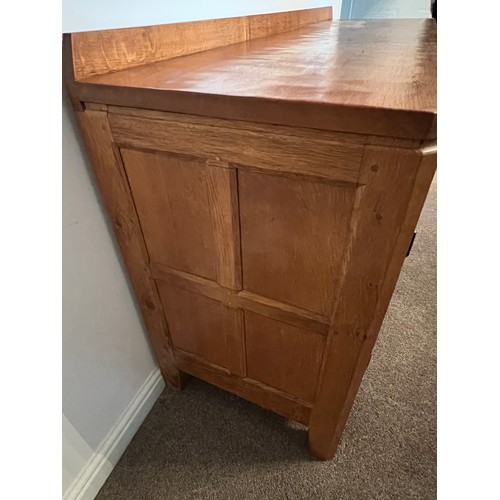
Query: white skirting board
[95, 472]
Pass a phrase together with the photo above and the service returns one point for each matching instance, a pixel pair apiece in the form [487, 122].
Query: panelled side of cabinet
[264, 218]
[255, 241]
[273, 281]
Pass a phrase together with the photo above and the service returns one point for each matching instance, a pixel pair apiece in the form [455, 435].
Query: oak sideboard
[264, 176]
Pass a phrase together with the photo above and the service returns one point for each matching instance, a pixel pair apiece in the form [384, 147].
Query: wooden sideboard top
[370, 77]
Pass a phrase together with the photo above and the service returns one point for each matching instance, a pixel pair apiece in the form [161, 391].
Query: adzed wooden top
[371, 77]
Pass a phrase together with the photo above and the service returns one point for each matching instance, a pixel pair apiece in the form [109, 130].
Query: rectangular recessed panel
[171, 197]
[283, 356]
[202, 326]
[293, 235]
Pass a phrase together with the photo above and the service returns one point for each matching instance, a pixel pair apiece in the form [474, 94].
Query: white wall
[110, 379]
[106, 357]
[90, 15]
[386, 9]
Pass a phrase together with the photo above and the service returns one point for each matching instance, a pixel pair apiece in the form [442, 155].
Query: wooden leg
[329, 417]
[318, 449]
[174, 378]
[328, 420]
[183, 379]
[368, 282]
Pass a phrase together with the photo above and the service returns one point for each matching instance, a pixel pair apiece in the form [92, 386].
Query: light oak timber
[106, 161]
[205, 327]
[252, 390]
[393, 63]
[192, 283]
[405, 126]
[283, 356]
[223, 201]
[298, 132]
[235, 325]
[94, 106]
[264, 192]
[99, 52]
[292, 237]
[171, 193]
[382, 229]
[275, 151]
[423, 180]
[286, 313]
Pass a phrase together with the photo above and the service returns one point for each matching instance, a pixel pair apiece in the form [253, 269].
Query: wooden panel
[98, 52]
[293, 236]
[251, 390]
[204, 327]
[391, 199]
[283, 356]
[383, 125]
[171, 196]
[234, 329]
[93, 106]
[191, 283]
[282, 22]
[298, 133]
[285, 313]
[280, 151]
[112, 180]
[223, 197]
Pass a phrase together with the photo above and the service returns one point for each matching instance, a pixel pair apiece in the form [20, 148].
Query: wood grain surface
[98, 52]
[283, 356]
[275, 149]
[387, 64]
[295, 133]
[264, 177]
[204, 327]
[395, 183]
[171, 194]
[223, 202]
[293, 233]
[372, 76]
[275, 309]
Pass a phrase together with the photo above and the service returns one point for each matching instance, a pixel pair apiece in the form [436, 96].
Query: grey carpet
[203, 443]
